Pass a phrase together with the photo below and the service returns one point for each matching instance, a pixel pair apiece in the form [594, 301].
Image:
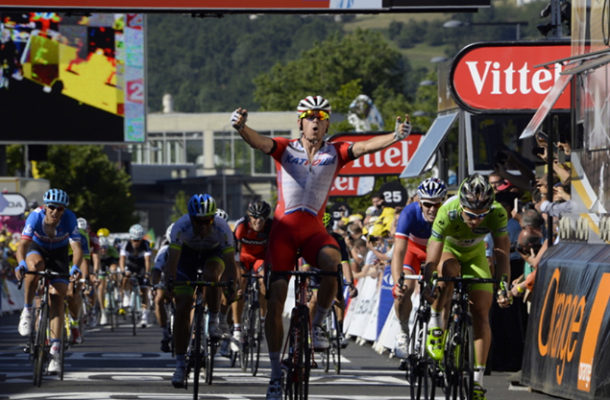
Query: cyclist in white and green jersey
[457, 247]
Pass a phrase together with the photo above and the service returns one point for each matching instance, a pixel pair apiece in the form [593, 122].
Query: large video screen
[68, 78]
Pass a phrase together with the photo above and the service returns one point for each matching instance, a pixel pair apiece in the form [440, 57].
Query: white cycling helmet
[314, 103]
[104, 242]
[82, 223]
[136, 232]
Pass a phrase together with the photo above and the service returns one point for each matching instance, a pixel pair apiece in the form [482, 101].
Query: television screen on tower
[67, 78]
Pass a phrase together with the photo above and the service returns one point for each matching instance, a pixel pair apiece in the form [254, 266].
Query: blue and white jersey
[65, 232]
[413, 226]
[219, 236]
[161, 258]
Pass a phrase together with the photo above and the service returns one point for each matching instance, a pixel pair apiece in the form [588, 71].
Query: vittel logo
[512, 78]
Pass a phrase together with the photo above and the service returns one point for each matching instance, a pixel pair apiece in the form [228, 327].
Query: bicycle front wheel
[255, 336]
[245, 338]
[466, 363]
[335, 340]
[40, 344]
[303, 366]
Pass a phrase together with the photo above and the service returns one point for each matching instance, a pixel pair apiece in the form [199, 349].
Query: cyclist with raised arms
[306, 169]
[198, 239]
[48, 232]
[457, 247]
[251, 239]
[411, 239]
[134, 259]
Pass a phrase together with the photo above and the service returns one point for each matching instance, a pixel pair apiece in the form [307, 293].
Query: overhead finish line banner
[249, 5]
[567, 350]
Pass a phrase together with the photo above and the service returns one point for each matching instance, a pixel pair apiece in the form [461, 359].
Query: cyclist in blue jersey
[411, 239]
[44, 244]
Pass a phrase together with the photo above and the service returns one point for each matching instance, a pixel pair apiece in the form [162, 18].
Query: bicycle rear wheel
[420, 382]
[40, 344]
[197, 350]
[63, 346]
[255, 335]
[209, 351]
[245, 337]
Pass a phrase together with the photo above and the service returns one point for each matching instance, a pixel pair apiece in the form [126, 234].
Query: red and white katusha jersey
[304, 186]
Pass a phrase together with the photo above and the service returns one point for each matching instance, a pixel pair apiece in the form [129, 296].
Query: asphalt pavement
[117, 365]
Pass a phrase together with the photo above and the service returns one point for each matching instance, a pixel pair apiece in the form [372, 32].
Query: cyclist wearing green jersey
[457, 247]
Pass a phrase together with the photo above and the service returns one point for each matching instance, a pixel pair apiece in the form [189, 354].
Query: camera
[538, 151]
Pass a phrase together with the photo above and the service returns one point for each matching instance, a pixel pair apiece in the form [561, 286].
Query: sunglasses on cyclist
[428, 204]
[311, 114]
[53, 207]
[202, 221]
[471, 215]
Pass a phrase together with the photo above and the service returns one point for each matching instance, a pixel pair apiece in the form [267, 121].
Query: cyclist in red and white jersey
[251, 239]
[306, 168]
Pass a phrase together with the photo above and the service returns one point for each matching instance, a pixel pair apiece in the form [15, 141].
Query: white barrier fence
[11, 298]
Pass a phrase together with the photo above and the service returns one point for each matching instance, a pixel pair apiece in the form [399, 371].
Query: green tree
[180, 206]
[15, 161]
[363, 57]
[98, 191]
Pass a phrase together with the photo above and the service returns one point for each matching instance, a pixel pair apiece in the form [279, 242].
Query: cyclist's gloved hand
[145, 282]
[20, 270]
[402, 130]
[238, 118]
[353, 291]
[397, 291]
[74, 270]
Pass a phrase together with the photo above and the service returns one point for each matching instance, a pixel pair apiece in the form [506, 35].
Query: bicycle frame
[251, 325]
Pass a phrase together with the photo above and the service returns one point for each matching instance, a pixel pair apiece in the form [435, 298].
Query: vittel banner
[503, 77]
[389, 161]
[567, 345]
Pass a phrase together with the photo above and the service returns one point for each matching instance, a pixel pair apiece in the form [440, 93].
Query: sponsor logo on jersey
[480, 230]
[452, 214]
[436, 234]
[304, 161]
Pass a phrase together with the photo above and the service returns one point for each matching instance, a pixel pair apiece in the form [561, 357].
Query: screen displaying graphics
[71, 78]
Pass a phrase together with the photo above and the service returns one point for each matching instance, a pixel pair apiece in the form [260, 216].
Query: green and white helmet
[476, 193]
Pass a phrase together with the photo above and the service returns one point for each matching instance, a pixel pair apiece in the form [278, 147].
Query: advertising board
[69, 78]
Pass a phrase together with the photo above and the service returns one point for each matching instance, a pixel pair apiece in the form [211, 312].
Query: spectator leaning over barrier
[358, 254]
[562, 201]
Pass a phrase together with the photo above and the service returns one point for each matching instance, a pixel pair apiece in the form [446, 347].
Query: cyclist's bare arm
[433, 255]
[22, 250]
[147, 264]
[77, 252]
[172, 263]
[252, 137]
[400, 249]
[377, 143]
[501, 254]
[122, 263]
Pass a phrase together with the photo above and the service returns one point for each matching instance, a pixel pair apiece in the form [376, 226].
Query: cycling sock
[435, 319]
[318, 320]
[276, 366]
[180, 363]
[479, 372]
[237, 327]
[404, 326]
[55, 343]
[28, 307]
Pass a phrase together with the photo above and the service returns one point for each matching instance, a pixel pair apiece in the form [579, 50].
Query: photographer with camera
[530, 246]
